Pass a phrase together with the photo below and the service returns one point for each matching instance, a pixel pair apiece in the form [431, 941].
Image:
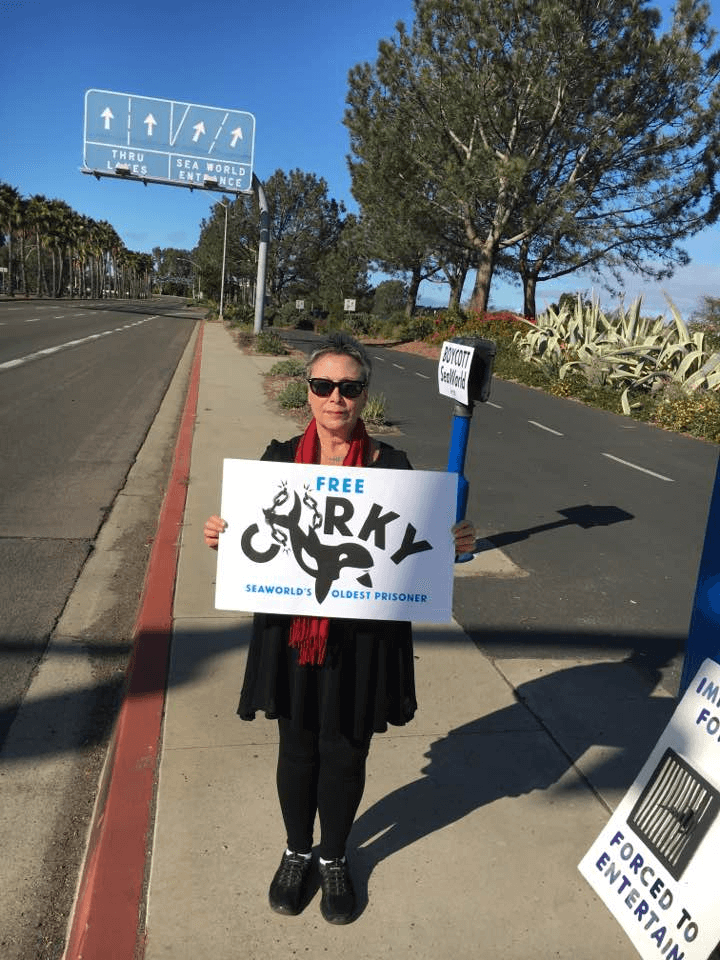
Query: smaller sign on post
[349, 306]
[454, 371]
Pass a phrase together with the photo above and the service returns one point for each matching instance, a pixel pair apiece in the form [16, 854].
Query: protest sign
[348, 542]
[654, 863]
[454, 370]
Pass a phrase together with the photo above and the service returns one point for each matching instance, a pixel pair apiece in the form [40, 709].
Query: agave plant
[624, 350]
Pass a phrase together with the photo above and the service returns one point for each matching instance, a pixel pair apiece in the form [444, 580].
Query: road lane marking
[399, 366]
[496, 405]
[34, 320]
[541, 426]
[49, 351]
[422, 375]
[626, 463]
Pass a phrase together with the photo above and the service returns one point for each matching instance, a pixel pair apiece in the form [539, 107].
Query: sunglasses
[350, 389]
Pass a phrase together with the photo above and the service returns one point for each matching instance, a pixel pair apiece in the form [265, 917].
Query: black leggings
[324, 776]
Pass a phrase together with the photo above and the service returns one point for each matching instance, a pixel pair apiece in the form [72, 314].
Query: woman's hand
[214, 526]
[464, 536]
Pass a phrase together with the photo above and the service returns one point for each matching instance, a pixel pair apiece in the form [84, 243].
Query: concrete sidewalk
[475, 815]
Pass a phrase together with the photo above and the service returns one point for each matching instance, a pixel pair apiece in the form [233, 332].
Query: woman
[330, 684]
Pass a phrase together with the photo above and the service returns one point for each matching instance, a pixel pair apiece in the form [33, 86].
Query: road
[80, 388]
[80, 384]
[602, 517]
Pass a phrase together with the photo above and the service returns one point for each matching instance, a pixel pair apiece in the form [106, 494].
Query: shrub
[500, 327]
[418, 328]
[374, 411]
[287, 315]
[697, 413]
[267, 341]
[288, 368]
[387, 328]
[358, 324]
[294, 396]
[238, 314]
[447, 324]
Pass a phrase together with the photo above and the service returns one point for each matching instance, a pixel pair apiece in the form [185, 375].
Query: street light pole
[222, 278]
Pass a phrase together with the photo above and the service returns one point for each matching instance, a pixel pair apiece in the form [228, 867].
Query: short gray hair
[342, 345]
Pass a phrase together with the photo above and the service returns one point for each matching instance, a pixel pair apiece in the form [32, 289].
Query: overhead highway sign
[168, 141]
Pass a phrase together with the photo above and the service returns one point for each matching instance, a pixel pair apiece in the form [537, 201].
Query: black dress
[367, 680]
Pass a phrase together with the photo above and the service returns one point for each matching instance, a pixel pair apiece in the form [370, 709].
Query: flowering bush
[698, 413]
[500, 326]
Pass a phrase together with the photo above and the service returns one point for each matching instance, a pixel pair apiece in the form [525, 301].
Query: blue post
[462, 416]
[704, 635]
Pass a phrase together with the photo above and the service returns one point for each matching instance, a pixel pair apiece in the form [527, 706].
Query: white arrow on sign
[107, 116]
[151, 122]
[236, 135]
[199, 129]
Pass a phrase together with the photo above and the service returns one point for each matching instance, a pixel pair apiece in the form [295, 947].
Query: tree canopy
[313, 249]
[540, 135]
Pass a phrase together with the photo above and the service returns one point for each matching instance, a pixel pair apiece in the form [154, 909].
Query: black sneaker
[287, 887]
[338, 897]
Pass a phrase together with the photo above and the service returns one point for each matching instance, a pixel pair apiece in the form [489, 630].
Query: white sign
[349, 306]
[299, 304]
[655, 863]
[346, 542]
[454, 370]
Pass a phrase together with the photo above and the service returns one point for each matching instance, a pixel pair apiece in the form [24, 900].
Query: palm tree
[10, 220]
[39, 225]
[61, 219]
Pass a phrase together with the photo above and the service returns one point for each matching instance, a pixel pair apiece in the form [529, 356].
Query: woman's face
[336, 413]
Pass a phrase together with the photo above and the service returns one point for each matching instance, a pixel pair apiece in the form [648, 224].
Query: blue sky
[285, 62]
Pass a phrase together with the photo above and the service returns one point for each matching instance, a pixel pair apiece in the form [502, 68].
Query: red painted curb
[105, 924]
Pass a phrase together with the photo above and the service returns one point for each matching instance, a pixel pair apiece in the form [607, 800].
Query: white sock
[305, 856]
[324, 862]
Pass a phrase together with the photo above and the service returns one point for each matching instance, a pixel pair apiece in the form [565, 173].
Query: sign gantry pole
[262, 255]
[224, 259]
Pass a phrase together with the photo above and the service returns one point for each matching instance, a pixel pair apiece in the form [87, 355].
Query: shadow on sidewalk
[499, 756]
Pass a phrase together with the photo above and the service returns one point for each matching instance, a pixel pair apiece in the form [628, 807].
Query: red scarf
[310, 634]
